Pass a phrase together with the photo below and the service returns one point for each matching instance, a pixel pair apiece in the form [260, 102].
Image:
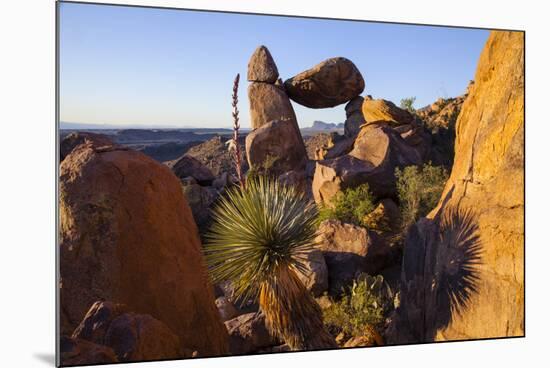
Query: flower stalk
[234, 142]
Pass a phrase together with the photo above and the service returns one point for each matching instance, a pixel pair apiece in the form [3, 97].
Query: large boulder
[463, 271]
[269, 102]
[276, 147]
[127, 235]
[82, 352]
[350, 250]
[383, 110]
[248, 333]
[262, 67]
[328, 84]
[187, 166]
[377, 151]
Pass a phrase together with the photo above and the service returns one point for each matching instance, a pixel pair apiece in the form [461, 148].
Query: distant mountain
[321, 125]
[85, 126]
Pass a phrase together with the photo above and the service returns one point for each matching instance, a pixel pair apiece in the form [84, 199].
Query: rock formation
[276, 148]
[248, 333]
[188, 166]
[377, 151]
[328, 84]
[127, 235]
[275, 144]
[262, 67]
[463, 275]
[383, 110]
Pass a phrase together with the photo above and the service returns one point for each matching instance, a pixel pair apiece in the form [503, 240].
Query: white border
[27, 204]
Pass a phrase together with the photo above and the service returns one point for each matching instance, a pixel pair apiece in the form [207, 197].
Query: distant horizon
[129, 66]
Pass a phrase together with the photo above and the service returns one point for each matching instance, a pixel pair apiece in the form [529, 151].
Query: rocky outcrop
[354, 117]
[276, 148]
[187, 166]
[226, 309]
[261, 67]
[248, 333]
[463, 275]
[377, 151]
[350, 250]
[214, 154]
[328, 84]
[383, 110]
[128, 235]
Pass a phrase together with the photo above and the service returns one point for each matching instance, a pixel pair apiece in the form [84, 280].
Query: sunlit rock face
[463, 274]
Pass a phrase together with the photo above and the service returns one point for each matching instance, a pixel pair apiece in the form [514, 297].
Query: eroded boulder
[187, 166]
[383, 110]
[316, 277]
[269, 102]
[262, 67]
[328, 84]
[248, 333]
[276, 147]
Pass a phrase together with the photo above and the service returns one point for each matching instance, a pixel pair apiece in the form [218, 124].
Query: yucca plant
[258, 240]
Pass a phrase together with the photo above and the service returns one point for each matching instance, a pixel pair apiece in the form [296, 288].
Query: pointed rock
[261, 67]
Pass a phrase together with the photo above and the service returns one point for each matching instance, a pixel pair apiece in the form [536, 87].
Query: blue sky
[160, 67]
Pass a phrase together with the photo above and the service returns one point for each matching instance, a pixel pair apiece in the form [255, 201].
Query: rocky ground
[133, 281]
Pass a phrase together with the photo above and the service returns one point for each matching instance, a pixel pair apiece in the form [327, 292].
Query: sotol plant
[258, 241]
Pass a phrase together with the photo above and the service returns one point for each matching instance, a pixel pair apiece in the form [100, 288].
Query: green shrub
[350, 206]
[407, 104]
[365, 304]
[419, 189]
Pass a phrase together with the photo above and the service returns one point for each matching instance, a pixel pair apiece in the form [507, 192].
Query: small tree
[350, 206]
[419, 189]
[407, 104]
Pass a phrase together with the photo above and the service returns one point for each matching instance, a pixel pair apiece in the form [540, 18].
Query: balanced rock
[328, 84]
[464, 263]
[377, 151]
[276, 147]
[383, 110]
[128, 235]
[354, 117]
[350, 250]
[187, 166]
[267, 103]
[262, 67]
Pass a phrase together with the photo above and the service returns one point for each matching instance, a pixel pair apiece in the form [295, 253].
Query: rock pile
[275, 145]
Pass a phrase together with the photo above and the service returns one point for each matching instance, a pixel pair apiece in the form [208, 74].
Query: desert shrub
[350, 206]
[363, 306]
[419, 189]
[258, 241]
[407, 104]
